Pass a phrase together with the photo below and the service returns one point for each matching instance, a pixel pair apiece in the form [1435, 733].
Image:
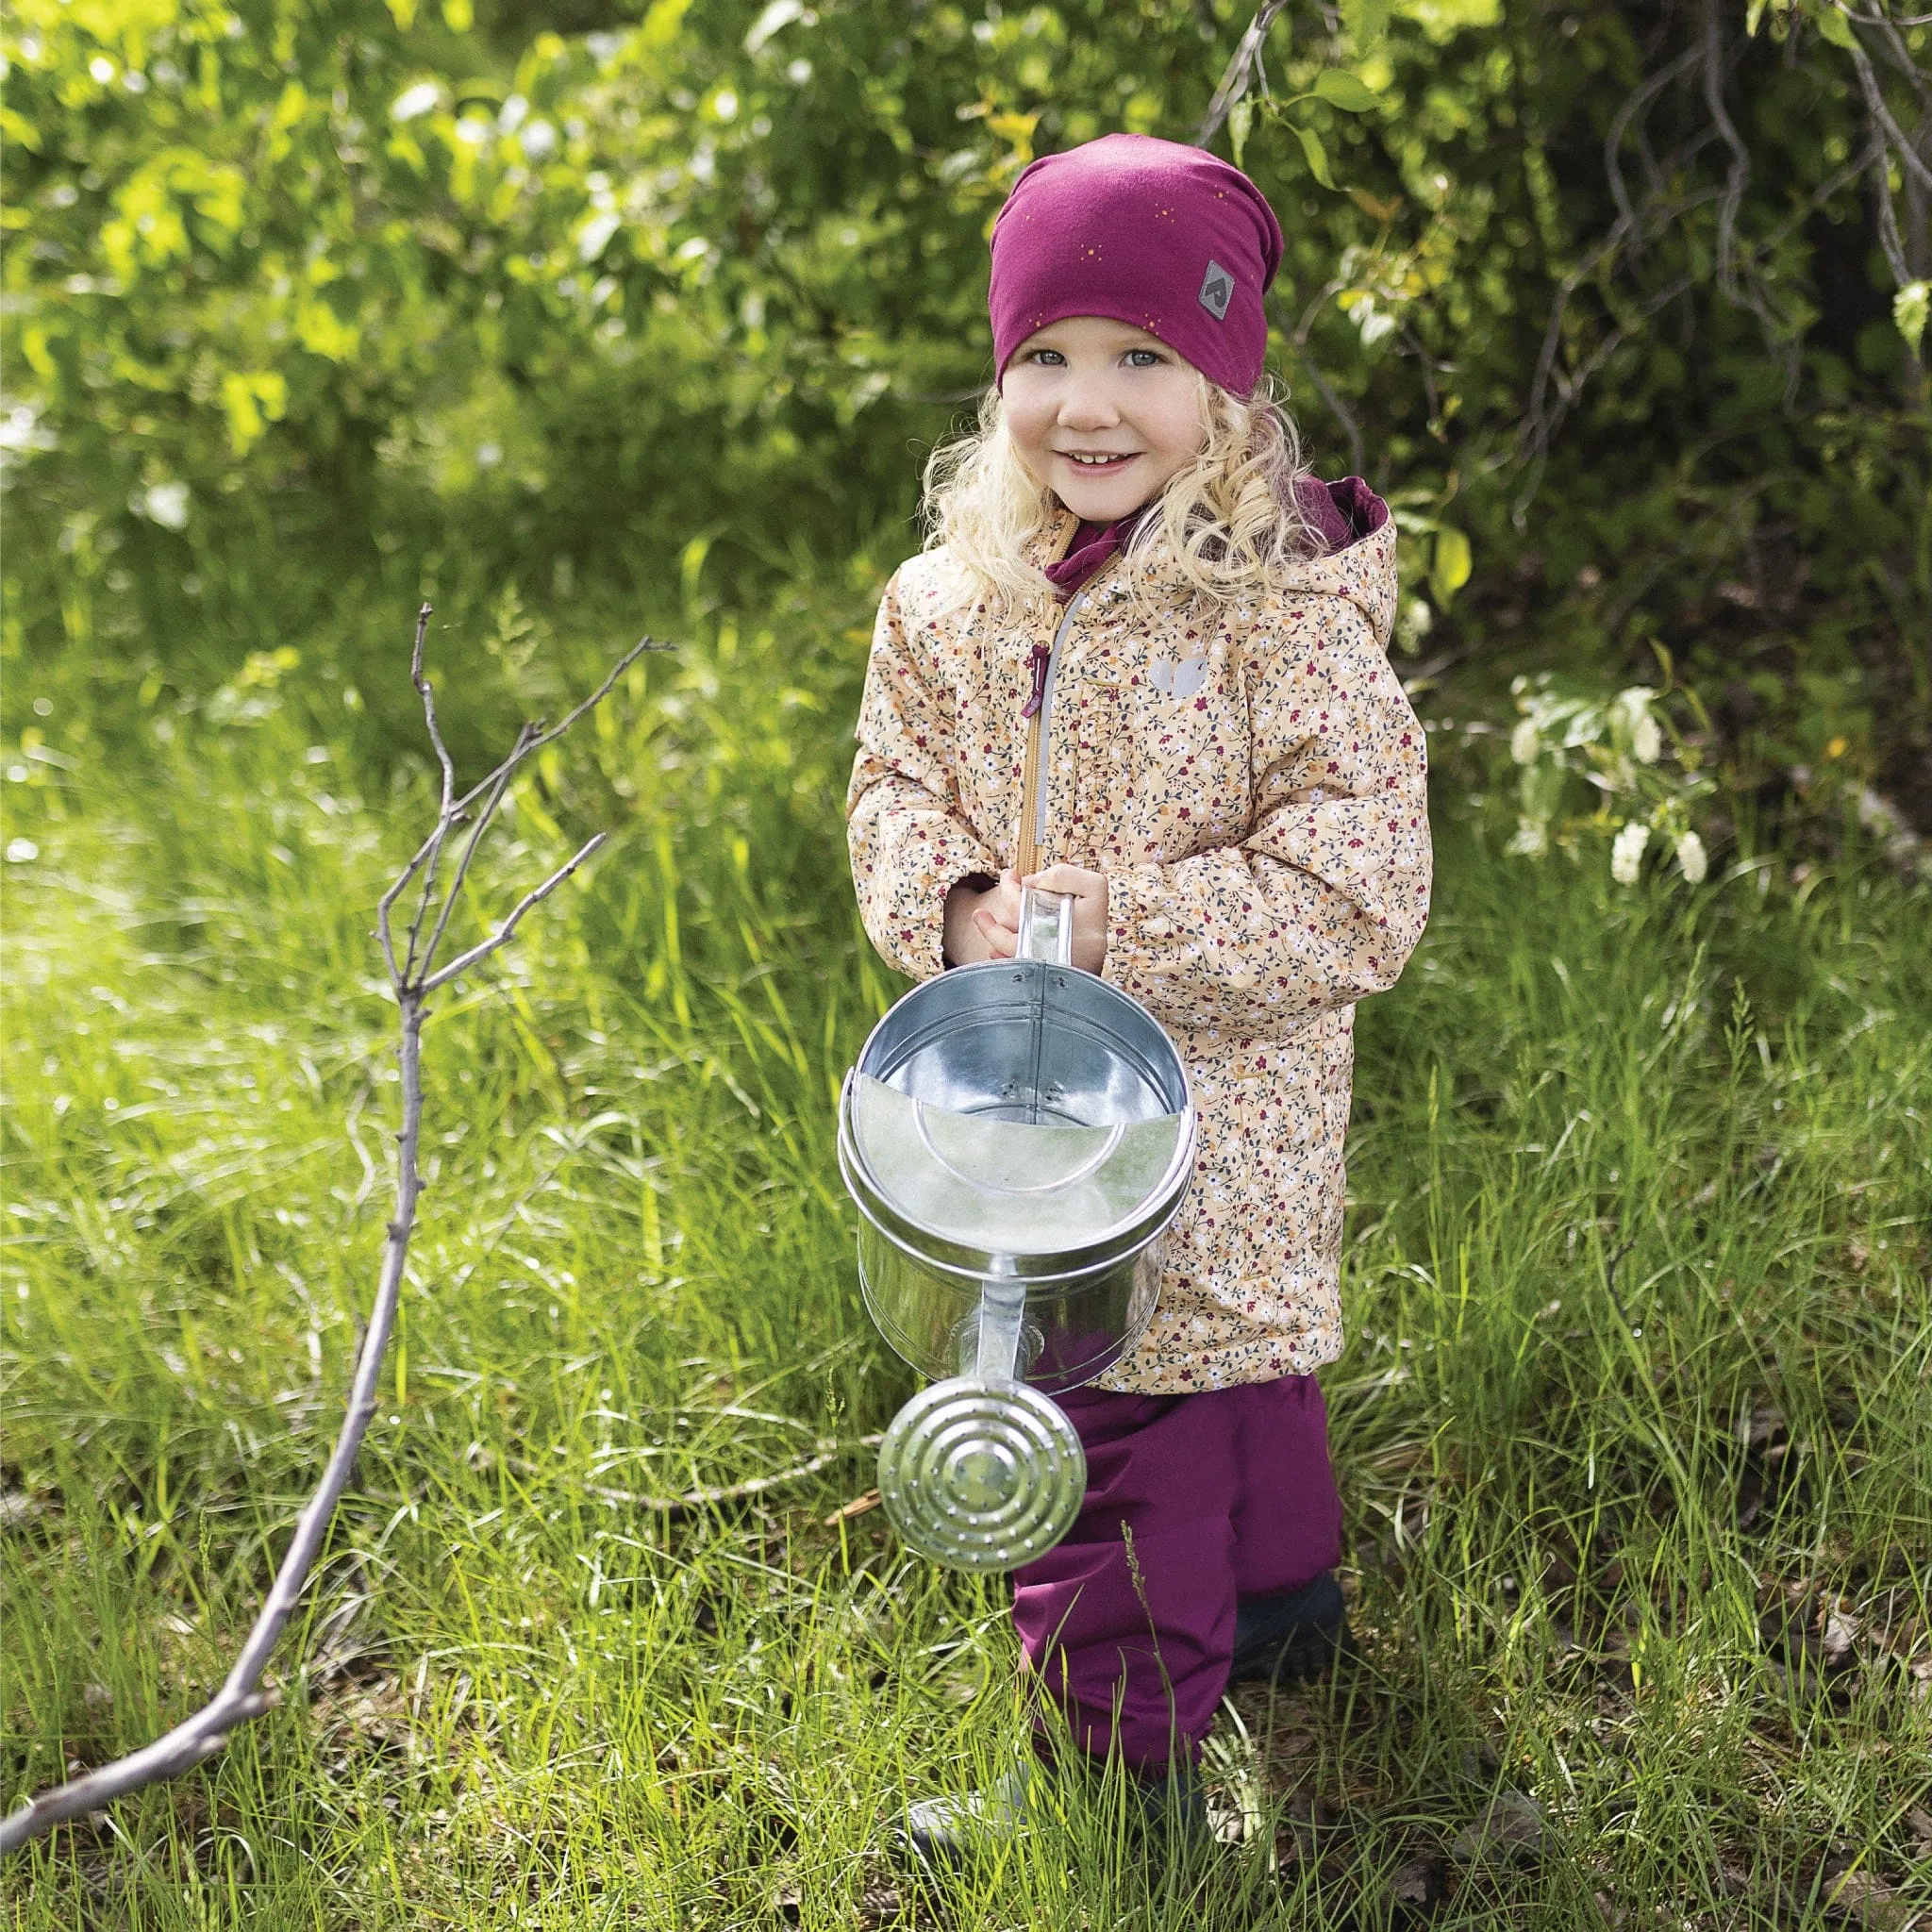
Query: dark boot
[947, 1833]
[1290, 1639]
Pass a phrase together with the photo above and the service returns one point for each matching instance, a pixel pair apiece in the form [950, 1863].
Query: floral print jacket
[1253, 783]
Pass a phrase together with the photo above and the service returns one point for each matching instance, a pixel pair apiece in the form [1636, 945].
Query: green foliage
[1617, 749]
[308, 292]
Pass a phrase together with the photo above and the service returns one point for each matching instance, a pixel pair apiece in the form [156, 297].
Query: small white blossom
[1627, 855]
[415, 100]
[1525, 741]
[1692, 857]
[165, 504]
[1633, 707]
[1532, 839]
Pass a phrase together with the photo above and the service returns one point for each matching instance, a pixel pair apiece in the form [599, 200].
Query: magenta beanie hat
[1166, 238]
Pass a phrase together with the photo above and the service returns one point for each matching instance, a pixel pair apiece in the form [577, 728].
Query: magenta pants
[1193, 1503]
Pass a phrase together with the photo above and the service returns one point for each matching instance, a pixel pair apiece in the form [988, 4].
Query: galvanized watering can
[1017, 1136]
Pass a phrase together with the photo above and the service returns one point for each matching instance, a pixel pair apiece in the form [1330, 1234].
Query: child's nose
[1087, 403]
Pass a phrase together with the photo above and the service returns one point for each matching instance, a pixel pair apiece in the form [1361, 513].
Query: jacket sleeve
[909, 841]
[1325, 899]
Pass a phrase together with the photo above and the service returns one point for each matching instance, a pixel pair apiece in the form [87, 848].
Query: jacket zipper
[1033, 793]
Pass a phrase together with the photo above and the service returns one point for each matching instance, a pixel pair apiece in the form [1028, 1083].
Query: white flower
[165, 504]
[1532, 838]
[1692, 857]
[1627, 855]
[415, 100]
[1525, 741]
[1632, 707]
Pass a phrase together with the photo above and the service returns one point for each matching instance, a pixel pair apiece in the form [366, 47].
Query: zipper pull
[1042, 657]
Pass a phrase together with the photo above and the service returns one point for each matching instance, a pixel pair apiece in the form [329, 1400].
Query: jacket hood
[1361, 566]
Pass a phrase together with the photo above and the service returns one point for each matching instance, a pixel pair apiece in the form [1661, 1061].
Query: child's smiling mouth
[1098, 459]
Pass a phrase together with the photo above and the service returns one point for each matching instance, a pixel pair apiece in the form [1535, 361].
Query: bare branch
[1874, 102]
[241, 1697]
[1298, 341]
[501, 937]
[478, 827]
[539, 735]
[1234, 82]
[1738, 177]
[444, 817]
[1357, 449]
[420, 679]
[1639, 100]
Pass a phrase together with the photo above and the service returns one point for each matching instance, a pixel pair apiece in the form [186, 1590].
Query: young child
[1231, 784]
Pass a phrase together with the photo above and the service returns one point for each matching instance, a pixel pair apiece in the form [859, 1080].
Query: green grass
[1655, 1552]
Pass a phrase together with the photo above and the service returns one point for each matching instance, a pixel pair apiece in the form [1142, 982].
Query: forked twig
[413, 980]
[1234, 81]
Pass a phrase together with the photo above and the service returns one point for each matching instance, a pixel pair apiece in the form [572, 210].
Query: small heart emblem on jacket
[1181, 680]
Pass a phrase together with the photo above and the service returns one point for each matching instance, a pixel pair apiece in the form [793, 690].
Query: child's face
[1102, 413]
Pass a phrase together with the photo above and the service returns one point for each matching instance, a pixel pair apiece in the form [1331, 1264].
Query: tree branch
[501, 937]
[241, 1697]
[1234, 81]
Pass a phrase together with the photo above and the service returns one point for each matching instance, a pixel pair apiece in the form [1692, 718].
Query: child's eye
[1050, 359]
[1143, 358]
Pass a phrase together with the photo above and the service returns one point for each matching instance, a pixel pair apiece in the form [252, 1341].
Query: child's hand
[986, 926]
[1089, 892]
[983, 925]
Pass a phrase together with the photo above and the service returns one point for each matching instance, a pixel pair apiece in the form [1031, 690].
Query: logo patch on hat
[1217, 291]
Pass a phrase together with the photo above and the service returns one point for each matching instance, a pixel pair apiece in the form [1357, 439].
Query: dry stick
[241, 1697]
[830, 1452]
[1874, 100]
[1234, 82]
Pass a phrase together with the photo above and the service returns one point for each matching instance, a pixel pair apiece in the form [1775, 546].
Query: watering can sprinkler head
[979, 1472]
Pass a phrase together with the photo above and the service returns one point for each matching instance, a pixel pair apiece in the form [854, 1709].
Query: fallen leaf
[1510, 1826]
[1420, 1882]
[1860, 1899]
[1840, 1633]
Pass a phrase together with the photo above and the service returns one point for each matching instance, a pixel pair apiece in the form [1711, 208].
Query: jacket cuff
[1143, 948]
[918, 933]
[979, 882]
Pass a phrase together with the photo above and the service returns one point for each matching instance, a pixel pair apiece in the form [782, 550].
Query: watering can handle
[1046, 927]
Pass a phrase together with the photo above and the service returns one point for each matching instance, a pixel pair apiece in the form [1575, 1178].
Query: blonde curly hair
[1231, 518]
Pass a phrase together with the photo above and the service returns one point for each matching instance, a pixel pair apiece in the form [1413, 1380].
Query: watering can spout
[994, 1349]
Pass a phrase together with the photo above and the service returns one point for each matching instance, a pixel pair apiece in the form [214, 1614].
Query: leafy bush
[1617, 302]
